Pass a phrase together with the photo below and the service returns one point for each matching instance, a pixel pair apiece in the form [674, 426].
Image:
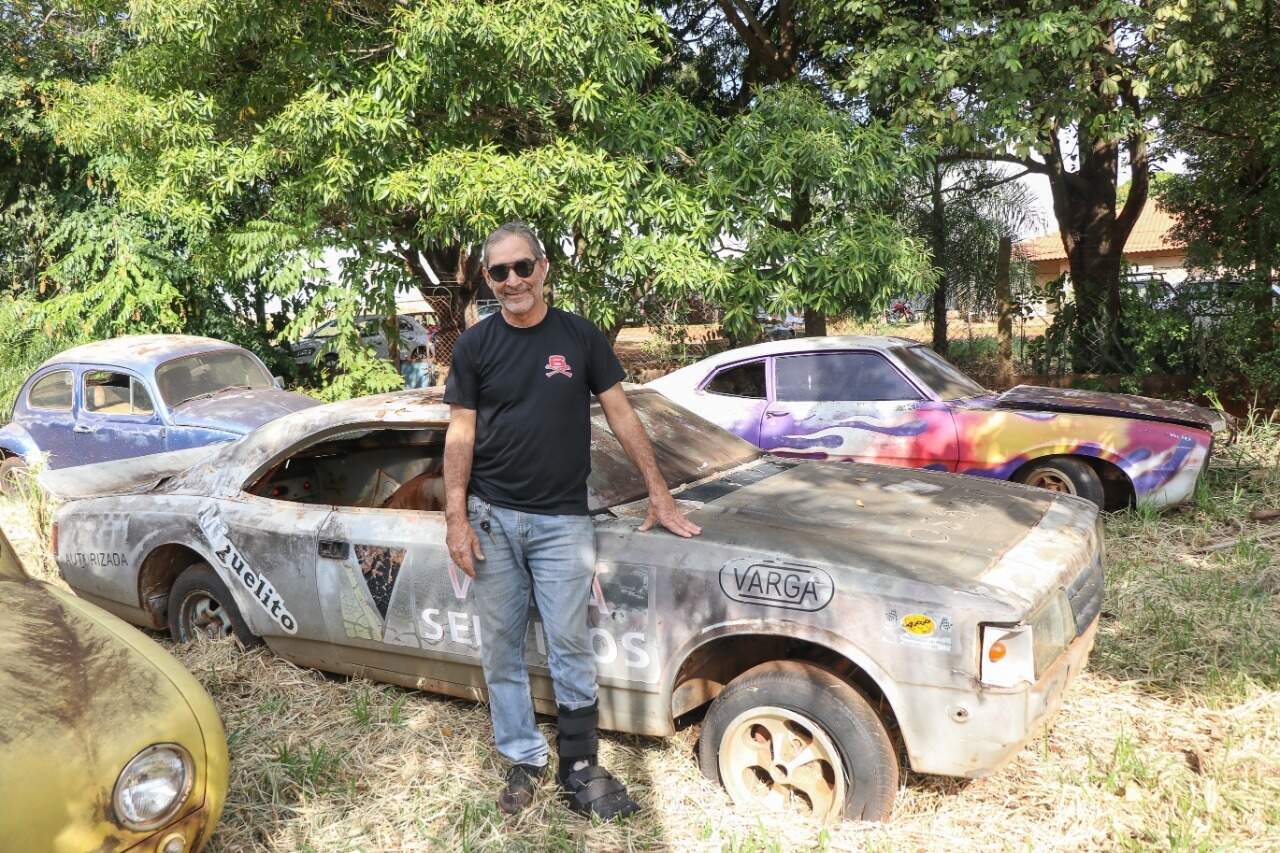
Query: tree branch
[1025, 162]
[757, 44]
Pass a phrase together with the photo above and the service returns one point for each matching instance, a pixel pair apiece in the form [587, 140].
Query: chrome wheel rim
[204, 616]
[1053, 480]
[773, 759]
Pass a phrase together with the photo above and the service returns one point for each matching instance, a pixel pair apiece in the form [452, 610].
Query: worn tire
[11, 467]
[1066, 475]
[801, 695]
[200, 582]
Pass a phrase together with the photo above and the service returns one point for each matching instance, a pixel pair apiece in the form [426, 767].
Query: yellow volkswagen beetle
[106, 742]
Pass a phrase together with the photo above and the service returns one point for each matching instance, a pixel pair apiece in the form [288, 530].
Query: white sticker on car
[236, 571]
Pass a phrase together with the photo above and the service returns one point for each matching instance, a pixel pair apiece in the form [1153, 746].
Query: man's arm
[459, 448]
[630, 433]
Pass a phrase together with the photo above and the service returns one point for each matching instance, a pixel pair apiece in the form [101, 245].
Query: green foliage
[809, 196]
[1228, 197]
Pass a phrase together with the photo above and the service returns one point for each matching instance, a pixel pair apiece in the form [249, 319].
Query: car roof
[138, 352]
[813, 344]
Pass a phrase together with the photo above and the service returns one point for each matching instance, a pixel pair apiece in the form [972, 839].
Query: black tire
[11, 468]
[1067, 475]
[198, 584]
[807, 697]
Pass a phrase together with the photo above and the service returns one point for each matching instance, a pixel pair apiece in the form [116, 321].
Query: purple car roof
[139, 353]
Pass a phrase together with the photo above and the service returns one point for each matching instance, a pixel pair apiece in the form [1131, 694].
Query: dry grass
[1170, 741]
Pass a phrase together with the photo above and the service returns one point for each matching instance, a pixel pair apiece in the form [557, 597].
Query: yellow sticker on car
[918, 624]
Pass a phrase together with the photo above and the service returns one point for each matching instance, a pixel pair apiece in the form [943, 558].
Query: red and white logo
[557, 365]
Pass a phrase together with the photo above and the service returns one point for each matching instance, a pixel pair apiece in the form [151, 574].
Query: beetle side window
[110, 393]
[741, 380]
[855, 376]
[51, 392]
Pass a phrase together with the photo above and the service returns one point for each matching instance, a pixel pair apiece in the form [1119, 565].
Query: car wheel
[200, 605]
[788, 736]
[1067, 476]
[11, 469]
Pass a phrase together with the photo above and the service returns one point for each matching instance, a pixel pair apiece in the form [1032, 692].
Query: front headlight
[1022, 653]
[153, 786]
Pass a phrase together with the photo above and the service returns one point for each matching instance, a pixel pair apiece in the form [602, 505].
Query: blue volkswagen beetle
[140, 395]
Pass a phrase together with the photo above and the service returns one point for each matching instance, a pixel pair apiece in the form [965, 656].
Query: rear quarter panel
[1161, 460]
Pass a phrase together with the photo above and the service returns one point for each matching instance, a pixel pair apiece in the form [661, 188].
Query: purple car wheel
[1066, 476]
[11, 470]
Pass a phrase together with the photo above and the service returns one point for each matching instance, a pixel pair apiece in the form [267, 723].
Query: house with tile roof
[1150, 250]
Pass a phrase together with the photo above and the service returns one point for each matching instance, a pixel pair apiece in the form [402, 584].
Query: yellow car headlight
[153, 786]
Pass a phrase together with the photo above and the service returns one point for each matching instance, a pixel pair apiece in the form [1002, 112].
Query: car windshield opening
[376, 469]
[944, 378]
[208, 373]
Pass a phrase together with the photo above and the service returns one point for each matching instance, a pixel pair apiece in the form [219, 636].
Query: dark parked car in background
[140, 395]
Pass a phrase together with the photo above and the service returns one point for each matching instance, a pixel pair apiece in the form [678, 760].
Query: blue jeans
[553, 558]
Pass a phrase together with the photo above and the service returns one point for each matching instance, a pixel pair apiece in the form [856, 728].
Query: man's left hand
[663, 511]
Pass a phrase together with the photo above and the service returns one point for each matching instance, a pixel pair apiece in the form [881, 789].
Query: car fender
[789, 629]
[16, 441]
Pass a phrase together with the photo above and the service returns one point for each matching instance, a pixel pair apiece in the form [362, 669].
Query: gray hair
[518, 229]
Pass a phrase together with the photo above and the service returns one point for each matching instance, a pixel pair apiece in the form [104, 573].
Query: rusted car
[894, 401]
[828, 614]
[139, 395]
[106, 742]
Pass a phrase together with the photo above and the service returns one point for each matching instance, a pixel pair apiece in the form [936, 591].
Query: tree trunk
[938, 231]
[815, 322]
[1004, 325]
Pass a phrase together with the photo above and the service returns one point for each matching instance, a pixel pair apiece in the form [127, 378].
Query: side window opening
[741, 380]
[51, 392]
[845, 376]
[373, 469]
[109, 393]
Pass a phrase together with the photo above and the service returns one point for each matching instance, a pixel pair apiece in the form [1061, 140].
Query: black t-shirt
[531, 390]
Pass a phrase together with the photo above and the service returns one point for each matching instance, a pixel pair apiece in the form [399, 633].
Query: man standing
[517, 456]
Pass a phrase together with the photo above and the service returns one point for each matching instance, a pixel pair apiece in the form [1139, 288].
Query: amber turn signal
[997, 651]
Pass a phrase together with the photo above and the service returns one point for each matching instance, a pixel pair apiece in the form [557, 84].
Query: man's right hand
[464, 545]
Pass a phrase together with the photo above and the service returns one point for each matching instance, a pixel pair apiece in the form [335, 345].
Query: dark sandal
[593, 791]
[522, 781]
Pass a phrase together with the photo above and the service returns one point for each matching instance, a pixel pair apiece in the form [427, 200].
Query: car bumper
[971, 733]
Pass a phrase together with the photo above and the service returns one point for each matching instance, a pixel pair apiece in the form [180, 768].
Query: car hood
[240, 411]
[1036, 398]
[893, 526]
[81, 693]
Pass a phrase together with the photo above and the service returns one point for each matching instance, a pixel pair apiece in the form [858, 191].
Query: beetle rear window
[51, 392]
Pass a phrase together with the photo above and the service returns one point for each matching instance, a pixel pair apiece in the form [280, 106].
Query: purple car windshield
[687, 448]
[207, 373]
[938, 373]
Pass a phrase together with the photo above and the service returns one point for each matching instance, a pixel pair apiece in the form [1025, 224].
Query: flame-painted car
[106, 742]
[136, 396]
[829, 614]
[895, 401]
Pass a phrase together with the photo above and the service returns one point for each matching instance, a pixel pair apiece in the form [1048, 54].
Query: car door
[116, 418]
[854, 405]
[47, 412]
[734, 397]
[392, 597]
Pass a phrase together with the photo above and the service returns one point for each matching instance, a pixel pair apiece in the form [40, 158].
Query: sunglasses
[523, 268]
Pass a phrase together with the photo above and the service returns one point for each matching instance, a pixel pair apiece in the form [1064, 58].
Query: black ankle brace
[576, 738]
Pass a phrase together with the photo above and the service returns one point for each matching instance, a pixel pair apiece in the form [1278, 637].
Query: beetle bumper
[955, 732]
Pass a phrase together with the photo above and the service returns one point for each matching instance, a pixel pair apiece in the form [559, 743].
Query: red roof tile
[1151, 233]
